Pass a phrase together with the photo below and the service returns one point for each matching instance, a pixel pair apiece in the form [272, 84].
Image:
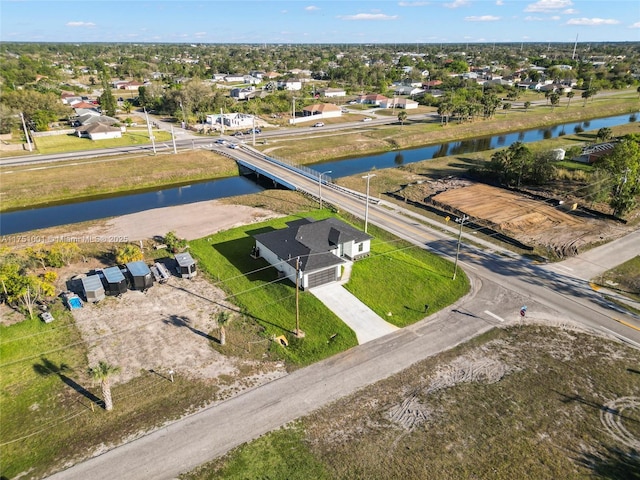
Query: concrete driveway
[362, 320]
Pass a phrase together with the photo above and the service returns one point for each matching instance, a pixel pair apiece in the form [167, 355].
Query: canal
[84, 210]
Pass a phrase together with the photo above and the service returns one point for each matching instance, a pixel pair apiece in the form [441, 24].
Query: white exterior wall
[272, 258]
[105, 135]
[351, 249]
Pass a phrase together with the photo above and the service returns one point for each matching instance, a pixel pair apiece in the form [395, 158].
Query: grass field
[73, 143]
[624, 278]
[92, 177]
[522, 402]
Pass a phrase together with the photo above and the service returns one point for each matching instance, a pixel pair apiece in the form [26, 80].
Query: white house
[316, 250]
[395, 102]
[292, 84]
[372, 99]
[234, 78]
[231, 120]
[407, 90]
[333, 92]
[98, 131]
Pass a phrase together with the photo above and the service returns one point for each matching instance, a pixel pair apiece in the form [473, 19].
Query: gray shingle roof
[312, 241]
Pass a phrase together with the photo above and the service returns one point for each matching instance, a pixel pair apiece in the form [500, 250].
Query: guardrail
[310, 174]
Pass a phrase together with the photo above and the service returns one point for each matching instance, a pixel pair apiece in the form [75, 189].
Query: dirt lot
[171, 325]
[531, 221]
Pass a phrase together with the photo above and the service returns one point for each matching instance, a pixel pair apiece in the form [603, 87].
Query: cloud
[548, 5]
[456, 4]
[592, 21]
[80, 24]
[570, 11]
[412, 4]
[530, 18]
[635, 25]
[200, 34]
[499, 3]
[368, 16]
[311, 8]
[483, 18]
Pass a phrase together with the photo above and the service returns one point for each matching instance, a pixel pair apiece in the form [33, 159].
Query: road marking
[562, 266]
[494, 315]
[594, 286]
[621, 337]
[627, 324]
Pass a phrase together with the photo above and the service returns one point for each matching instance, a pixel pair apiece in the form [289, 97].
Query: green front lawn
[398, 278]
[72, 143]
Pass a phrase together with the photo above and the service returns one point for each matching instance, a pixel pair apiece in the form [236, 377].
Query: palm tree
[570, 95]
[102, 372]
[402, 116]
[127, 106]
[555, 100]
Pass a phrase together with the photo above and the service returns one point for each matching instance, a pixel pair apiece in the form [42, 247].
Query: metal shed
[141, 277]
[115, 283]
[93, 289]
[186, 265]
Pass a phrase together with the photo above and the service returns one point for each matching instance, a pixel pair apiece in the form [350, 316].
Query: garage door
[322, 277]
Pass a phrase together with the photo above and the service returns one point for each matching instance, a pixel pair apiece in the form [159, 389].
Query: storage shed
[115, 283]
[186, 265]
[141, 277]
[93, 289]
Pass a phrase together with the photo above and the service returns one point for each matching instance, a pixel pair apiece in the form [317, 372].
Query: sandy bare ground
[170, 326]
[190, 221]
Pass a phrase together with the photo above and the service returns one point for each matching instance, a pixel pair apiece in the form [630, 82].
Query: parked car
[366, 119]
[233, 145]
[319, 124]
[250, 131]
[237, 134]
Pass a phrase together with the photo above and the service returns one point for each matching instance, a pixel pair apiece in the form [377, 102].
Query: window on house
[360, 247]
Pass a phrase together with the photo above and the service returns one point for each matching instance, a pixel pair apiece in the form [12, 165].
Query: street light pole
[320, 186]
[461, 222]
[366, 205]
[26, 132]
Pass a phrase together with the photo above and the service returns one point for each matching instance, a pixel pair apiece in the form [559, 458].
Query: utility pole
[461, 222]
[173, 139]
[299, 333]
[26, 132]
[320, 186]
[366, 205]
[151, 137]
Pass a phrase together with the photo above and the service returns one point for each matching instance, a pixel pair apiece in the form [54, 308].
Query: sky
[319, 21]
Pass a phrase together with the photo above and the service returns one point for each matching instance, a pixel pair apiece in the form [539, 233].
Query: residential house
[333, 92]
[321, 110]
[242, 93]
[396, 102]
[291, 84]
[314, 251]
[593, 153]
[431, 84]
[371, 99]
[98, 131]
[234, 78]
[407, 90]
[232, 120]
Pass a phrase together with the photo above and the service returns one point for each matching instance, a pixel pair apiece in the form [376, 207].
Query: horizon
[321, 22]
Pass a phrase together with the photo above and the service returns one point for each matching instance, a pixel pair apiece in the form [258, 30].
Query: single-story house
[327, 110]
[89, 118]
[242, 93]
[593, 153]
[291, 84]
[405, 103]
[407, 90]
[231, 120]
[333, 92]
[314, 250]
[234, 78]
[98, 131]
[372, 99]
[431, 84]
